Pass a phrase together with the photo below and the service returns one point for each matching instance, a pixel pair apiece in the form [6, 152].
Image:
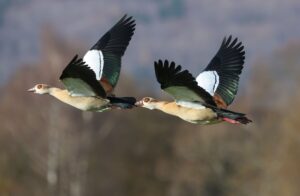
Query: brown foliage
[48, 148]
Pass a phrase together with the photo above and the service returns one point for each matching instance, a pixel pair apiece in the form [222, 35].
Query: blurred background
[49, 148]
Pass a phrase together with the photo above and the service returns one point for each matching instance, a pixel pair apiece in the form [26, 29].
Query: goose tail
[122, 102]
[232, 117]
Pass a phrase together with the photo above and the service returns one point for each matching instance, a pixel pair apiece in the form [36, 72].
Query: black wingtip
[118, 37]
[128, 20]
[74, 60]
[124, 16]
[78, 69]
[232, 43]
[228, 63]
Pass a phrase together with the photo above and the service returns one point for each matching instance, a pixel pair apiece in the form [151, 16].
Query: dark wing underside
[181, 85]
[80, 80]
[113, 45]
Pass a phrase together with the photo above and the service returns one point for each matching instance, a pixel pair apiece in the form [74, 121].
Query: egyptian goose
[90, 81]
[202, 100]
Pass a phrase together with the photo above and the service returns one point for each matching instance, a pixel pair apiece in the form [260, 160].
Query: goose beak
[139, 103]
[31, 90]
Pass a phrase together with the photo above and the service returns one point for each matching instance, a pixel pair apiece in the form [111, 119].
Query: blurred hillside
[49, 148]
[188, 31]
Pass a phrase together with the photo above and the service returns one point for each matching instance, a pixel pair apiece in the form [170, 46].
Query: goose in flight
[90, 81]
[202, 100]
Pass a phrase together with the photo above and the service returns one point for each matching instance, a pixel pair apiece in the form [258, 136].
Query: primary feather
[221, 76]
[180, 84]
[80, 80]
[104, 58]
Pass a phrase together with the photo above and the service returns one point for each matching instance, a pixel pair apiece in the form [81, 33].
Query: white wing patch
[188, 104]
[94, 59]
[209, 81]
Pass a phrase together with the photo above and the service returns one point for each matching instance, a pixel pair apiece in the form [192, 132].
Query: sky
[188, 32]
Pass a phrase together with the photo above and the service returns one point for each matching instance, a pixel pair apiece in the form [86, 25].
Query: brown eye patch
[39, 86]
[146, 99]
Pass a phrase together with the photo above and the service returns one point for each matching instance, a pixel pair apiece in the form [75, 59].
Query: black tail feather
[243, 120]
[122, 102]
[235, 116]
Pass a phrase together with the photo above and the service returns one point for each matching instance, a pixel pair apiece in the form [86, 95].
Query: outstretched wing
[181, 85]
[221, 77]
[80, 80]
[104, 58]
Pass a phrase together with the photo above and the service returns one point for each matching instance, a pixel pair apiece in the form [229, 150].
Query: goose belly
[198, 116]
[88, 103]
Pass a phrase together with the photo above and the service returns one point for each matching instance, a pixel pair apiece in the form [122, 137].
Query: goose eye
[146, 99]
[39, 86]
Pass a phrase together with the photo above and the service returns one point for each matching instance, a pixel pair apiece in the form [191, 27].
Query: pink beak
[31, 90]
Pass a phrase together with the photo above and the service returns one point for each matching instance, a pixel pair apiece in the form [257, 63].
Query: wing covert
[80, 80]
[181, 85]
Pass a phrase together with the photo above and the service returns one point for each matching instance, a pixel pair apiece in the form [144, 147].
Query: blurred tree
[49, 148]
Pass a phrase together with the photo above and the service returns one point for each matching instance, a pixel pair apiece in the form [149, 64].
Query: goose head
[40, 89]
[147, 102]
